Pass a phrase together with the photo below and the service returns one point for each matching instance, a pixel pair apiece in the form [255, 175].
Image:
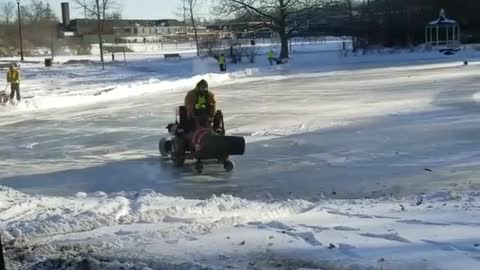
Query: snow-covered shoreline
[429, 231]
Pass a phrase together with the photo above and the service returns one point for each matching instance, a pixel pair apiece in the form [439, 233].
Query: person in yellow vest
[13, 77]
[271, 56]
[200, 100]
[221, 62]
[201, 108]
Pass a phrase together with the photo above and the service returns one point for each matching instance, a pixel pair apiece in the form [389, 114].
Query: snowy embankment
[78, 80]
[147, 230]
[70, 85]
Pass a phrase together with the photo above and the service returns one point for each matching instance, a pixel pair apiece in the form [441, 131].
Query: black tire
[198, 167]
[228, 165]
[164, 146]
[4, 98]
[178, 152]
[218, 124]
[182, 113]
[178, 161]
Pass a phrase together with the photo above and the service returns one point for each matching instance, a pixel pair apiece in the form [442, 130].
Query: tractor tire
[164, 147]
[178, 152]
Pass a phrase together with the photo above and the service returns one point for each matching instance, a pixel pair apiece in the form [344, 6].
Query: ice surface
[364, 132]
[321, 131]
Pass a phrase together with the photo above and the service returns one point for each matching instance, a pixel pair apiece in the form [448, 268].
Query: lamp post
[20, 29]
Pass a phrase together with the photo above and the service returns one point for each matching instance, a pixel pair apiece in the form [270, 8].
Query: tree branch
[312, 6]
[90, 8]
[305, 14]
[254, 9]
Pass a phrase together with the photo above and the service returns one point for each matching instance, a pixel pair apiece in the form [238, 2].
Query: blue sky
[132, 9]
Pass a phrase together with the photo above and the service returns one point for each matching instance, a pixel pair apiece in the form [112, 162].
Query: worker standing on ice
[270, 56]
[221, 62]
[13, 77]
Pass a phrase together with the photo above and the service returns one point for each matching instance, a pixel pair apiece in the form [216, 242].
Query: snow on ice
[363, 162]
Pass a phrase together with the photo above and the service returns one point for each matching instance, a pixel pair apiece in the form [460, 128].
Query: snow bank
[82, 83]
[476, 97]
[136, 89]
[37, 216]
[147, 229]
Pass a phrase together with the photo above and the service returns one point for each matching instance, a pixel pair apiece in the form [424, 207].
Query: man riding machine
[199, 133]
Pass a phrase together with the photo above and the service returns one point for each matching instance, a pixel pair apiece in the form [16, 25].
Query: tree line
[402, 22]
[38, 25]
[369, 22]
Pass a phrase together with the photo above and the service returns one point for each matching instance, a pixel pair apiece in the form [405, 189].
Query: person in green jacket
[271, 56]
[13, 78]
[221, 62]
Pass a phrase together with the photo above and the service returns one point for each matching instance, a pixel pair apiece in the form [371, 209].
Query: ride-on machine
[202, 140]
[4, 98]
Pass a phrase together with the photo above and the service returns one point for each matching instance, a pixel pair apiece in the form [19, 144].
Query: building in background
[130, 30]
[242, 30]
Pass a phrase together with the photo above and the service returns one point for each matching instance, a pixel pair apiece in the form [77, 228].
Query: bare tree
[84, 5]
[8, 11]
[100, 10]
[115, 15]
[39, 24]
[350, 17]
[37, 12]
[283, 17]
[191, 6]
[189, 12]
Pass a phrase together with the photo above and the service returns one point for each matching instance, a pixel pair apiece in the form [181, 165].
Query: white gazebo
[442, 32]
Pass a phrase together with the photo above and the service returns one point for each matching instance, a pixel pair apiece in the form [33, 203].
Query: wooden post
[431, 35]
[426, 35]
[438, 35]
[448, 32]
[53, 43]
[100, 33]
[454, 37]
[458, 33]
[2, 259]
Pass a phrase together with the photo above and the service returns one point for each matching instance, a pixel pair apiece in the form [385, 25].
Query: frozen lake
[346, 134]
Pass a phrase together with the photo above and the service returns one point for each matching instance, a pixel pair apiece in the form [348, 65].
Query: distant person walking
[13, 77]
[271, 56]
[221, 62]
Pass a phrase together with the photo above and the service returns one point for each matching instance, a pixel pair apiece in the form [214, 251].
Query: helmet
[202, 86]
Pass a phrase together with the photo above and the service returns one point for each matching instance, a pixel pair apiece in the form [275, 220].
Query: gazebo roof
[443, 19]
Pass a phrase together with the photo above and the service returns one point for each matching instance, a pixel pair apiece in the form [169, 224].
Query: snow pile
[476, 97]
[147, 229]
[106, 94]
[33, 217]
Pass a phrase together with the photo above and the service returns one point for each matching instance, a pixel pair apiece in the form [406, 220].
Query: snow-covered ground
[147, 229]
[360, 162]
